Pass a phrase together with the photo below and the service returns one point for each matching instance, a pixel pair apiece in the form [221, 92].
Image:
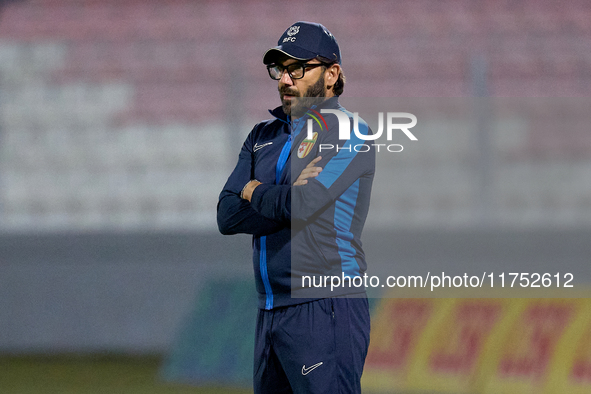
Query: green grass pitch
[75, 374]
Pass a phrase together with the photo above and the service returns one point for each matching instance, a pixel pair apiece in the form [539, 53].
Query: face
[293, 92]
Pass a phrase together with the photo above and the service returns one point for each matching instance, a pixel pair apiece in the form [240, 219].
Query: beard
[297, 106]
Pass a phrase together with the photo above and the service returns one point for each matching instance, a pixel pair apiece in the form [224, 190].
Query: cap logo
[293, 30]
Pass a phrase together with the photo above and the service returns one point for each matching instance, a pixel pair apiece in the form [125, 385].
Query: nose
[285, 78]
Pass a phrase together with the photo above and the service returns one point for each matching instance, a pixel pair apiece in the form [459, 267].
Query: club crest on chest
[307, 145]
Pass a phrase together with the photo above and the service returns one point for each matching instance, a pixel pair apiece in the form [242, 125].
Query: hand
[249, 188]
[309, 172]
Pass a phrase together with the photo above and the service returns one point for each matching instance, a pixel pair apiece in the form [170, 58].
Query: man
[309, 338]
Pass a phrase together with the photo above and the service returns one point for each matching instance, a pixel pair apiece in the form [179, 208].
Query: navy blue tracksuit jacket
[310, 230]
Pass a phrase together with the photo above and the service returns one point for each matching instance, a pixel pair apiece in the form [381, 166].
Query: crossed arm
[236, 214]
[311, 171]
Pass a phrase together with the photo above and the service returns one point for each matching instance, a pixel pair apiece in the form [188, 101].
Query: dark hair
[339, 85]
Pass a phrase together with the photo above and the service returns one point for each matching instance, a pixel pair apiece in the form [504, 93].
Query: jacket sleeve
[236, 215]
[340, 171]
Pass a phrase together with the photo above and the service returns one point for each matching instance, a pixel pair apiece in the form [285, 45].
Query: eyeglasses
[295, 70]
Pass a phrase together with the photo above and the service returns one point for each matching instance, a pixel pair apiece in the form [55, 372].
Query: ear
[332, 75]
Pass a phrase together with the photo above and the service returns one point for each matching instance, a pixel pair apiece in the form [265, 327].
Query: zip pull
[332, 308]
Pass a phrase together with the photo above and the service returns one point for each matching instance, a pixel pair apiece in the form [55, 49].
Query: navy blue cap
[305, 41]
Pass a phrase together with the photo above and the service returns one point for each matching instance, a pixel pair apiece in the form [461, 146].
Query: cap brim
[292, 51]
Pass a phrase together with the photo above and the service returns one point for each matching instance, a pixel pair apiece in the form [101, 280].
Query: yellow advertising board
[526, 350]
[571, 365]
[397, 330]
[480, 346]
[456, 346]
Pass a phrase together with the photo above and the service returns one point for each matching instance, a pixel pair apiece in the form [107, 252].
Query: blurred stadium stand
[121, 120]
[111, 110]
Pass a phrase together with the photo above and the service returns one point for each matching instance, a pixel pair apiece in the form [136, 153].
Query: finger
[309, 174]
[313, 162]
[311, 170]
